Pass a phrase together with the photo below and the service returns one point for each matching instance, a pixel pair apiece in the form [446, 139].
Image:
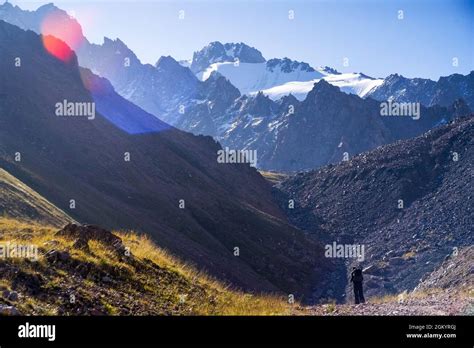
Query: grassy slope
[20, 200]
[274, 177]
[156, 284]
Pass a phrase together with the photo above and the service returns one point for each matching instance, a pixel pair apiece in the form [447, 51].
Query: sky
[415, 38]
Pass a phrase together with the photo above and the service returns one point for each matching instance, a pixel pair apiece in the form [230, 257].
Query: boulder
[57, 256]
[84, 233]
[8, 310]
[13, 296]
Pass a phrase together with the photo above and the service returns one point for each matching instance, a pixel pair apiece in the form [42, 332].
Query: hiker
[357, 279]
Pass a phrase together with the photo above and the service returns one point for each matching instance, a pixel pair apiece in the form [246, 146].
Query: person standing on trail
[357, 279]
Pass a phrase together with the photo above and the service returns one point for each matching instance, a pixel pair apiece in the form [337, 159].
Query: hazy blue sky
[368, 32]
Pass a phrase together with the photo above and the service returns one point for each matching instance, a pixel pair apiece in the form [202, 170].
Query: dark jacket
[356, 276]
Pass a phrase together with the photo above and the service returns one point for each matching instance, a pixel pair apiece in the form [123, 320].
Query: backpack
[358, 277]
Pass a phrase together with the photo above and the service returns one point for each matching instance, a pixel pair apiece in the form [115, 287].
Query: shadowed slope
[73, 158]
[409, 203]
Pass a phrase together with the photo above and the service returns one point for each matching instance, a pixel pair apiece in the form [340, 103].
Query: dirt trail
[446, 302]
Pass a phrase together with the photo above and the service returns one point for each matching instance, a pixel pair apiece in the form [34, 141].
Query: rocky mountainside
[297, 136]
[89, 271]
[148, 87]
[289, 135]
[80, 271]
[147, 176]
[427, 92]
[456, 271]
[277, 77]
[270, 77]
[209, 115]
[159, 90]
[217, 52]
[409, 203]
[295, 128]
[33, 20]
[448, 290]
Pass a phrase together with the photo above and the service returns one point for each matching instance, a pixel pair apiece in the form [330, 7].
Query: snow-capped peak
[351, 83]
[247, 69]
[326, 70]
[287, 65]
[185, 63]
[217, 52]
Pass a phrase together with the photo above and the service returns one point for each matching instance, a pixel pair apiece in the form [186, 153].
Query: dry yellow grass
[229, 301]
[409, 255]
[19, 201]
[154, 292]
[274, 177]
[384, 299]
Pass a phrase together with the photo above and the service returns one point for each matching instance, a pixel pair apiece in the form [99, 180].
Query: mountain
[34, 20]
[79, 270]
[454, 272]
[125, 169]
[207, 113]
[251, 78]
[147, 281]
[217, 52]
[350, 83]
[159, 89]
[223, 102]
[170, 90]
[276, 77]
[19, 201]
[427, 92]
[280, 77]
[152, 282]
[290, 135]
[358, 202]
[311, 135]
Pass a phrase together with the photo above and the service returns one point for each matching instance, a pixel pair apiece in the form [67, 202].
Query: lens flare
[59, 25]
[57, 48]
